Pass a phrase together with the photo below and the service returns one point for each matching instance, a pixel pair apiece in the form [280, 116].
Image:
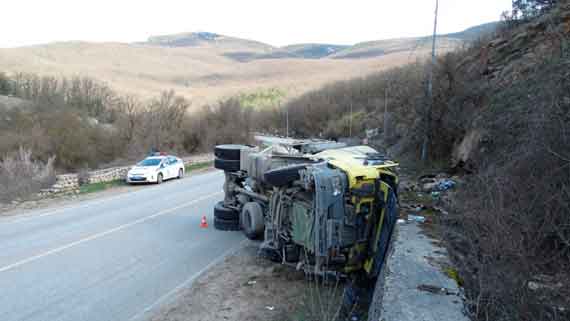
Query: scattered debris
[440, 210]
[416, 218]
[544, 282]
[435, 289]
[446, 184]
[270, 307]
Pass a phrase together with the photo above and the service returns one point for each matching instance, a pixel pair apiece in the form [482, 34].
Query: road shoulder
[243, 286]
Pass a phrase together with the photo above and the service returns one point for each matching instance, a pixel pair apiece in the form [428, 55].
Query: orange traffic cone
[204, 223]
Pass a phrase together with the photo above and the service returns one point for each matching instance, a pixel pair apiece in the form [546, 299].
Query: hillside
[202, 74]
[244, 50]
[391, 46]
[205, 67]
[205, 39]
[474, 32]
[445, 43]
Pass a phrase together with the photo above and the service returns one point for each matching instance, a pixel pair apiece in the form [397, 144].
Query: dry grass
[201, 74]
[21, 176]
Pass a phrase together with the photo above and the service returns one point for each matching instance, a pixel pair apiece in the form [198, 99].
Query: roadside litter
[446, 184]
[435, 289]
[432, 184]
[416, 218]
[270, 307]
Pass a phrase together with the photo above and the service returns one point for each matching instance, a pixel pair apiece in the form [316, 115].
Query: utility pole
[385, 113]
[350, 122]
[430, 89]
[287, 116]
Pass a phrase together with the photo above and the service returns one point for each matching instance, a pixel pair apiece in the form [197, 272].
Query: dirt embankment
[243, 287]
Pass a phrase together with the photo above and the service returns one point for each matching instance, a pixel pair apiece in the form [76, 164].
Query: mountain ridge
[255, 50]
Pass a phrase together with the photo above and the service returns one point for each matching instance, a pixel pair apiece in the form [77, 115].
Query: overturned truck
[328, 209]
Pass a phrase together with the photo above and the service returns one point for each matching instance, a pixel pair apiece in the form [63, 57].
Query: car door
[164, 169]
[172, 170]
[179, 165]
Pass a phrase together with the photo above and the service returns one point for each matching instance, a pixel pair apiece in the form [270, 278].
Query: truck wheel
[229, 152]
[283, 175]
[226, 225]
[252, 221]
[224, 213]
[226, 165]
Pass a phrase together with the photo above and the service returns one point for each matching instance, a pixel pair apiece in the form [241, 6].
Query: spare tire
[224, 213]
[252, 220]
[229, 152]
[226, 165]
[226, 225]
[283, 175]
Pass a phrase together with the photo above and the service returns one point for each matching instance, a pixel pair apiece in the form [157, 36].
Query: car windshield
[150, 162]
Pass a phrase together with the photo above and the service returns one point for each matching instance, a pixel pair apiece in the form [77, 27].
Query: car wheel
[226, 165]
[283, 175]
[229, 152]
[224, 213]
[252, 221]
[180, 173]
[226, 225]
[159, 178]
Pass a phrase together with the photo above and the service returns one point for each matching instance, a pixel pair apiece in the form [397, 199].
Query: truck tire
[229, 152]
[224, 213]
[282, 176]
[226, 225]
[226, 165]
[252, 220]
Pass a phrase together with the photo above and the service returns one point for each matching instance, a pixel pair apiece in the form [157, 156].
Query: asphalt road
[113, 258]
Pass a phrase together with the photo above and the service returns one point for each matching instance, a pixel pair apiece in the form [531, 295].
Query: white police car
[156, 169]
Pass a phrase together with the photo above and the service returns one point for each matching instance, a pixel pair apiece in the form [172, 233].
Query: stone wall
[69, 183]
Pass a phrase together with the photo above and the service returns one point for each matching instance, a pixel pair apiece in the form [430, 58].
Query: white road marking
[186, 282]
[102, 234]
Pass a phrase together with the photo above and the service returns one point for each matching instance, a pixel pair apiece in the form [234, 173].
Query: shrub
[21, 176]
[511, 228]
[525, 9]
[4, 84]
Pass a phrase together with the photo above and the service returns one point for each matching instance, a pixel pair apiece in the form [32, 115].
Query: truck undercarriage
[325, 208]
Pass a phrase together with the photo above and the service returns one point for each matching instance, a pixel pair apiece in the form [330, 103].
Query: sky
[27, 22]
